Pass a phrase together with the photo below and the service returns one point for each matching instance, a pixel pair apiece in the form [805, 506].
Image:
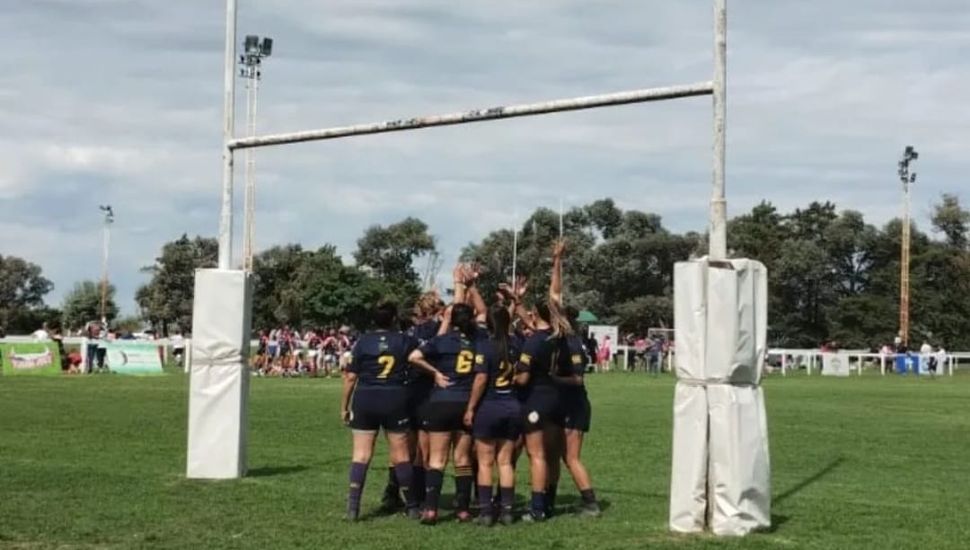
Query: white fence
[790, 359]
[811, 360]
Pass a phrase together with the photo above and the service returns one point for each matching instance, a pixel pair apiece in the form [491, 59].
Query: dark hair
[385, 314]
[542, 309]
[572, 313]
[463, 318]
[499, 322]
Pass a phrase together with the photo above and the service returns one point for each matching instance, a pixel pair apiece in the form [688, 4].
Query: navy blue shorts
[576, 411]
[373, 409]
[541, 410]
[443, 416]
[418, 394]
[498, 419]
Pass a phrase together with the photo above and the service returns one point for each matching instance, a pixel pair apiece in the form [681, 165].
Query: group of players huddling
[478, 384]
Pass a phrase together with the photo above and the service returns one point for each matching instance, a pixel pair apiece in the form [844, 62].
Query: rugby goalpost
[720, 462]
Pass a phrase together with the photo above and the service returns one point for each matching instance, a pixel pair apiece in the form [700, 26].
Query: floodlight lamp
[915, 155]
[912, 179]
[267, 47]
[909, 150]
[251, 44]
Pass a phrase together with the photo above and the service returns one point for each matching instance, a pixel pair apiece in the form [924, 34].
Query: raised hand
[559, 248]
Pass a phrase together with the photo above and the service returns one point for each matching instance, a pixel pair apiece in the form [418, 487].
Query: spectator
[605, 355]
[41, 334]
[640, 345]
[591, 348]
[92, 331]
[178, 347]
[656, 356]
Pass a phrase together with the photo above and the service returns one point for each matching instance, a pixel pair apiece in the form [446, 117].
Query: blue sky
[119, 101]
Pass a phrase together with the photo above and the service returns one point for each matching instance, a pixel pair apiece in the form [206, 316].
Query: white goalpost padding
[721, 471]
[720, 468]
[219, 376]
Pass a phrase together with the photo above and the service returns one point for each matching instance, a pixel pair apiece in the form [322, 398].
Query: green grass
[98, 462]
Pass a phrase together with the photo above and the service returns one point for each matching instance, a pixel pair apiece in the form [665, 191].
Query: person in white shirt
[41, 334]
[178, 347]
[940, 357]
[925, 351]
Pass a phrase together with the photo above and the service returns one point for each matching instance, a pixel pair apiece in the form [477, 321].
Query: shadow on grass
[270, 471]
[571, 504]
[776, 522]
[814, 478]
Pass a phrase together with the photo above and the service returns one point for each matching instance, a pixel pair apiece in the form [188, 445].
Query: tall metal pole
[228, 133]
[907, 180]
[718, 224]
[249, 235]
[106, 243]
[904, 271]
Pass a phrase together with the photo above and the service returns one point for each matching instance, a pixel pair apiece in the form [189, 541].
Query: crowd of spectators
[314, 352]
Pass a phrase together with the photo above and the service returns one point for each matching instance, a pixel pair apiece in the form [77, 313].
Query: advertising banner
[133, 357]
[835, 364]
[37, 358]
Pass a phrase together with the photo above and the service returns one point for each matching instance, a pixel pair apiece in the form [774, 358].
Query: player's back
[380, 359]
[453, 354]
[498, 365]
[571, 360]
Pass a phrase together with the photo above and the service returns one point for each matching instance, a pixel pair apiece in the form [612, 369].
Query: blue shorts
[541, 409]
[373, 409]
[498, 419]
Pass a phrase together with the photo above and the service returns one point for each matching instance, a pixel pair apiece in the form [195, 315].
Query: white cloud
[120, 101]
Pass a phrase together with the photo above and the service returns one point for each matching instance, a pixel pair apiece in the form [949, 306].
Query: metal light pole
[254, 51]
[228, 134]
[109, 218]
[907, 179]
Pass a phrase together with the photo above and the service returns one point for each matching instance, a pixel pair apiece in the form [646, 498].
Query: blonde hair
[427, 305]
[559, 320]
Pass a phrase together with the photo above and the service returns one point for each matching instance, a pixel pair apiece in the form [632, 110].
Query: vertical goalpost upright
[710, 486]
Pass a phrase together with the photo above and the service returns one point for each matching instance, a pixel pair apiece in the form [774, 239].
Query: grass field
[97, 462]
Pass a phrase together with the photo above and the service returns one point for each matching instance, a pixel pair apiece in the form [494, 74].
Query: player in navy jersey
[375, 397]
[576, 411]
[449, 358]
[540, 398]
[425, 327]
[494, 414]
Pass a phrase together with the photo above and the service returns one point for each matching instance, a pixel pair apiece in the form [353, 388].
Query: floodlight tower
[251, 61]
[907, 179]
[109, 218]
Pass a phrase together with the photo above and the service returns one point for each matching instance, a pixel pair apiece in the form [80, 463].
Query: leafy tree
[276, 301]
[167, 299]
[22, 289]
[128, 324]
[83, 304]
[951, 219]
[389, 253]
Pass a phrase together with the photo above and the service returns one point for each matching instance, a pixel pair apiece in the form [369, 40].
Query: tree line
[832, 276]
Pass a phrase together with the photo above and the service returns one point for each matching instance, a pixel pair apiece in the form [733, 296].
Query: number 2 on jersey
[504, 378]
[386, 361]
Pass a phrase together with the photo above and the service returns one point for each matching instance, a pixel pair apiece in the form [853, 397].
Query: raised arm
[481, 310]
[555, 286]
[458, 275]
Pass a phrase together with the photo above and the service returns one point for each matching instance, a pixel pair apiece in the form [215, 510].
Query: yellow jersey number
[386, 361]
[504, 378]
[465, 360]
